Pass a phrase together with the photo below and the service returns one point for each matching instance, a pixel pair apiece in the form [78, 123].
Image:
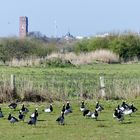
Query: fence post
[13, 82]
[102, 86]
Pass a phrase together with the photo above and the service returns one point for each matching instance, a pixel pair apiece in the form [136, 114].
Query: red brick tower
[23, 26]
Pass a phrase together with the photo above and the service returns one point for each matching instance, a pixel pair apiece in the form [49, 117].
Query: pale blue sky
[80, 17]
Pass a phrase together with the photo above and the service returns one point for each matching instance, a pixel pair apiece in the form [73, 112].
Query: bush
[58, 62]
[23, 48]
[127, 46]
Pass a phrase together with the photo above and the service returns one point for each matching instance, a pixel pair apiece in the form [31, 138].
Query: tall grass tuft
[103, 56]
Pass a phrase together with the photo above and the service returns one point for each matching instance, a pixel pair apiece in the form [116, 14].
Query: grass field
[123, 78]
[76, 127]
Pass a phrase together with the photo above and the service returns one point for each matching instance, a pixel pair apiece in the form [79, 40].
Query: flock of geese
[122, 110]
[119, 112]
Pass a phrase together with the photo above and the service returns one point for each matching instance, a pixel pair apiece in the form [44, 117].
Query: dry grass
[104, 56]
[25, 62]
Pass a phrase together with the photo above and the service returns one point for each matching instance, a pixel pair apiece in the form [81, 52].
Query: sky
[79, 17]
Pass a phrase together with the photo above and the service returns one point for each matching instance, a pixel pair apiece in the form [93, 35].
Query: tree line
[127, 46]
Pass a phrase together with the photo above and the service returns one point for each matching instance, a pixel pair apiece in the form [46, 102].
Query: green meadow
[76, 125]
[119, 78]
[122, 81]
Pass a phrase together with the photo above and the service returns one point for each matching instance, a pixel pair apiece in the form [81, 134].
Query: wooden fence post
[102, 86]
[13, 82]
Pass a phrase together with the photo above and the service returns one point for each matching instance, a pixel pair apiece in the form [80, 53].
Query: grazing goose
[87, 113]
[12, 105]
[24, 109]
[82, 107]
[1, 114]
[68, 109]
[134, 109]
[49, 110]
[98, 107]
[21, 116]
[12, 119]
[94, 115]
[33, 118]
[60, 119]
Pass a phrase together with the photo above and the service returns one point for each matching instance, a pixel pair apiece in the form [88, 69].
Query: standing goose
[98, 107]
[24, 109]
[82, 107]
[35, 113]
[68, 109]
[60, 119]
[33, 118]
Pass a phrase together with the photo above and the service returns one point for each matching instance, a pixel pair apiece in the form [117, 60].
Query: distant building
[68, 37]
[102, 35]
[23, 26]
[79, 37]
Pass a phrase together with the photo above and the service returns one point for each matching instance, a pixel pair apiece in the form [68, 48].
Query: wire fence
[85, 85]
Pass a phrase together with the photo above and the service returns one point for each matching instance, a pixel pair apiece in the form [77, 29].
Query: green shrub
[127, 46]
[23, 48]
[58, 62]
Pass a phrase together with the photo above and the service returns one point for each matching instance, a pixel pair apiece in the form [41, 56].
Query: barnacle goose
[60, 119]
[125, 105]
[82, 107]
[90, 114]
[87, 113]
[35, 113]
[98, 107]
[21, 116]
[33, 118]
[68, 109]
[12, 119]
[12, 105]
[94, 115]
[131, 109]
[24, 109]
[49, 110]
[118, 114]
